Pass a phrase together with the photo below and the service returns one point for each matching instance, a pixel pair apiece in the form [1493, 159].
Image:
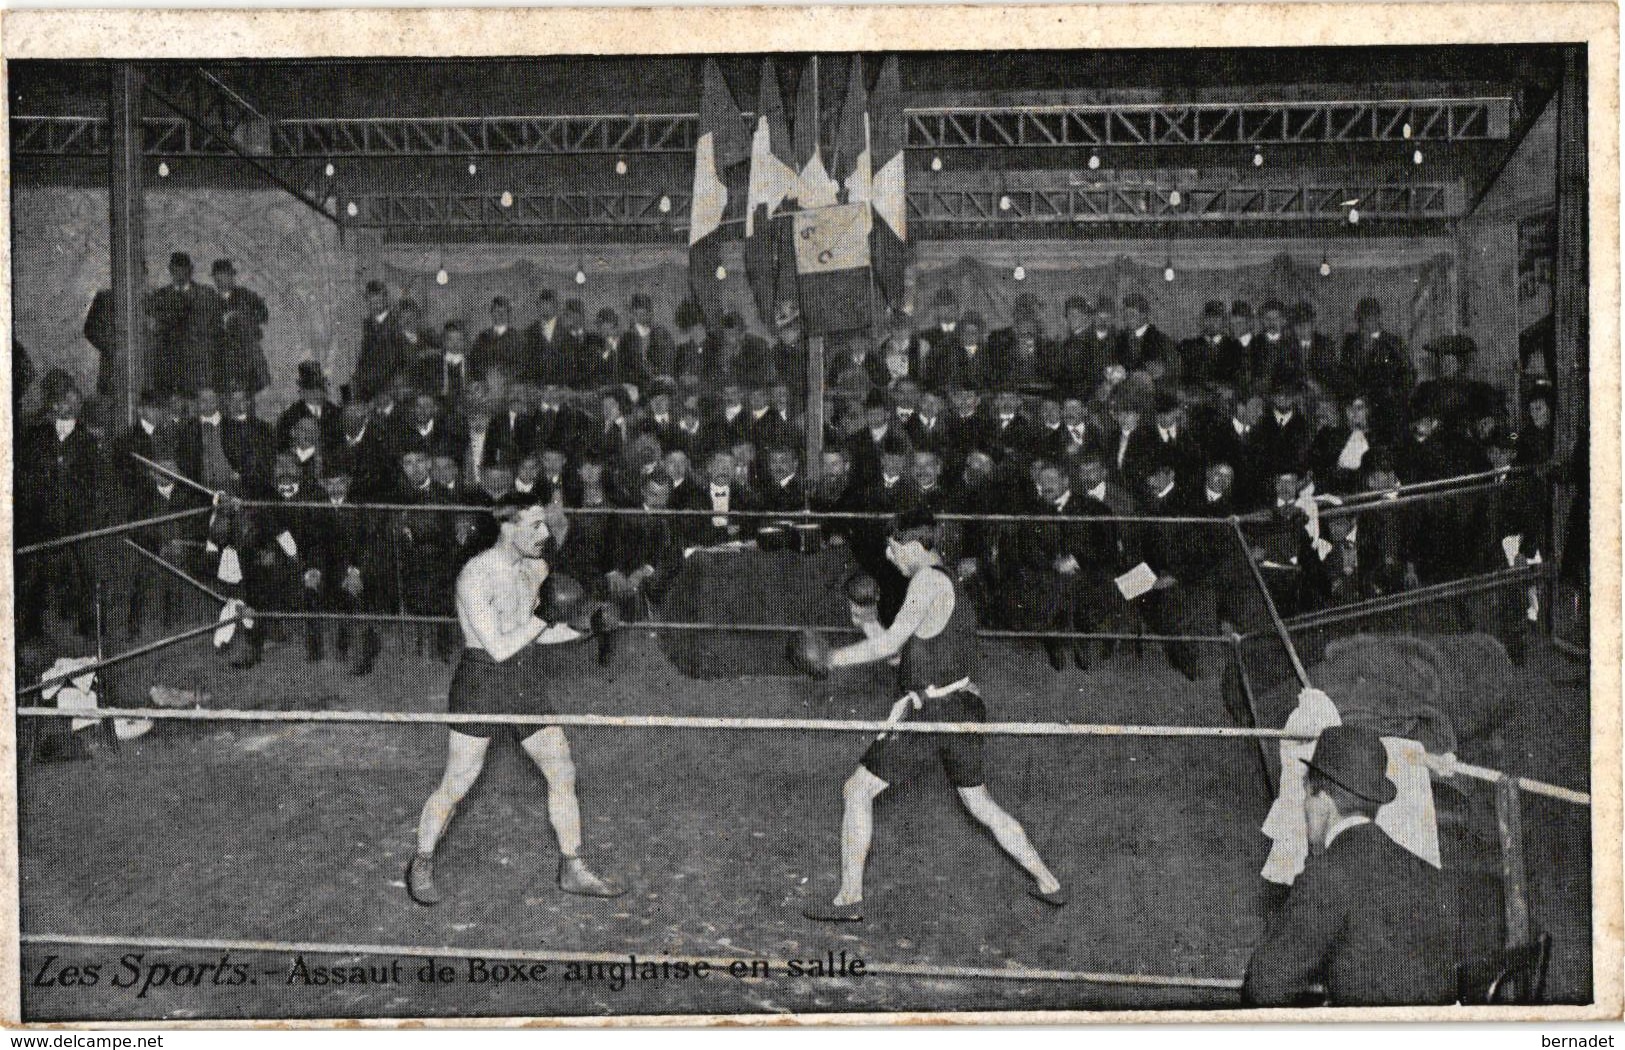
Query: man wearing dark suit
[1274, 356]
[1234, 440]
[612, 438]
[1282, 442]
[1023, 359]
[880, 433]
[203, 448]
[428, 430]
[1320, 364]
[382, 354]
[643, 551]
[150, 437]
[545, 364]
[183, 318]
[350, 570]
[55, 496]
[1065, 568]
[699, 353]
[766, 428]
[1337, 454]
[1006, 435]
[314, 404]
[556, 424]
[1079, 362]
[1380, 368]
[622, 361]
[939, 342]
[284, 573]
[447, 372]
[248, 441]
[1167, 551]
[1131, 447]
[1367, 920]
[500, 347]
[1175, 445]
[239, 355]
[785, 490]
[177, 542]
[510, 435]
[1140, 342]
[645, 344]
[365, 457]
[927, 430]
[1214, 356]
[966, 363]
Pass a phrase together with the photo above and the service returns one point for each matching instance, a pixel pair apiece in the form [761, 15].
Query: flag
[889, 241]
[852, 169]
[773, 178]
[832, 259]
[817, 189]
[722, 146]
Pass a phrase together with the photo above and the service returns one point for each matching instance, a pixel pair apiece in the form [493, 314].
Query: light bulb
[163, 171]
[473, 169]
[1258, 159]
[620, 166]
[1325, 268]
[1094, 161]
[1416, 158]
[1174, 198]
[1020, 273]
[1168, 272]
[1406, 131]
[351, 210]
[328, 171]
[442, 277]
[722, 273]
[581, 276]
[1354, 215]
[507, 199]
[665, 203]
[936, 162]
[1004, 203]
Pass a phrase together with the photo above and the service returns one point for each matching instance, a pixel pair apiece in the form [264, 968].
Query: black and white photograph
[815, 530]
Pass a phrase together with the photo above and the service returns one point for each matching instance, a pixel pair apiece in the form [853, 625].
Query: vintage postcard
[970, 514]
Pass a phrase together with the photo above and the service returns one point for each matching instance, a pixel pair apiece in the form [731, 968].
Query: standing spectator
[314, 404]
[1140, 342]
[700, 353]
[150, 438]
[178, 542]
[365, 457]
[182, 320]
[383, 353]
[1214, 356]
[1274, 356]
[55, 497]
[285, 573]
[448, 372]
[941, 341]
[644, 344]
[965, 362]
[1321, 367]
[239, 355]
[1282, 442]
[501, 347]
[1380, 368]
[248, 442]
[544, 364]
[1081, 357]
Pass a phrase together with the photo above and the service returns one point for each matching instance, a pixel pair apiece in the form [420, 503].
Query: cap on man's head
[1368, 307]
[1077, 302]
[876, 399]
[1213, 308]
[945, 297]
[915, 523]
[180, 260]
[639, 301]
[1241, 308]
[311, 376]
[1302, 311]
[689, 314]
[223, 266]
[1167, 401]
[1135, 301]
[607, 315]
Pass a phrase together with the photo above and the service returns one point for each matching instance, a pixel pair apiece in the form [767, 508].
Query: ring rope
[1034, 729]
[176, 571]
[110, 530]
[1416, 596]
[140, 650]
[174, 475]
[553, 955]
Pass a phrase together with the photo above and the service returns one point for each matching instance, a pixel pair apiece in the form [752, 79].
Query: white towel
[230, 569]
[1354, 450]
[1410, 819]
[74, 694]
[228, 623]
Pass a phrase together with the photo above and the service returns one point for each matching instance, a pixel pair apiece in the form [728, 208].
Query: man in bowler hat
[1367, 921]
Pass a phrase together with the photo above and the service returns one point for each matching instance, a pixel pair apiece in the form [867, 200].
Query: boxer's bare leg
[858, 796]
[465, 757]
[551, 752]
[1009, 834]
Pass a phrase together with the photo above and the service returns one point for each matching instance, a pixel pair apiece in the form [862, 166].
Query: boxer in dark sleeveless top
[935, 634]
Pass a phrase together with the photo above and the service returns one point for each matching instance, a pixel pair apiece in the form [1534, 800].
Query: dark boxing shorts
[482, 686]
[901, 757]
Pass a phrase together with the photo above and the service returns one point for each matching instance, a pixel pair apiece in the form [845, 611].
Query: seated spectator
[447, 372]
[501, 347]
[314, 404]
[284, 573]
[643, 553]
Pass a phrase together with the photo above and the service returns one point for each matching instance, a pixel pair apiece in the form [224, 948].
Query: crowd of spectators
[1083, 418]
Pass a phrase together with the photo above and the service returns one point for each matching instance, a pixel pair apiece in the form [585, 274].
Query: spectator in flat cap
[1139, 341]
[648, 345]
[1380, 367]
[943, 336]
[1320, 362]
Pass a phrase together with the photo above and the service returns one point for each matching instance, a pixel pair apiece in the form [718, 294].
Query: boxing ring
[1507, 788]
